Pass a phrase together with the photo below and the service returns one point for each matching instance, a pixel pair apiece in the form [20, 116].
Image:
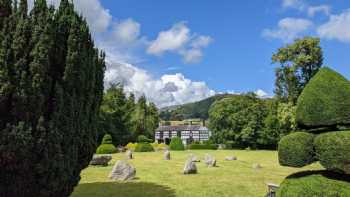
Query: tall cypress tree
[51, 86]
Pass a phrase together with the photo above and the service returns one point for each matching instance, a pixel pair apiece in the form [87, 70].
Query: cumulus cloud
[262, 94]
[126, 31]
[296, 4]
[288, 29]
[180, 40]
[338, 27]
[164, 91]
[313, 10]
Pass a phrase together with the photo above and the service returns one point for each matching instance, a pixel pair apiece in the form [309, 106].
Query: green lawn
[157, 177]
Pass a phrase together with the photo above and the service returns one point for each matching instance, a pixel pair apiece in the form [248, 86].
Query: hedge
[202, 147]
[106, 149]
[333, 150]
[144, 147]
[296, 149]
[176, 144]
[143, 139]
[315, 183]
[325, 101]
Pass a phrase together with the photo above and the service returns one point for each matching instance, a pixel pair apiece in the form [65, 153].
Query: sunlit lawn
[157, 177]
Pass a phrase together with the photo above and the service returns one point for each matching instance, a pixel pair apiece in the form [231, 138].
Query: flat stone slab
[100, 160]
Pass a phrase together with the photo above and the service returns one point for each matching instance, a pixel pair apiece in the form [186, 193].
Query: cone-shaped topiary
[325, 101]
[296, 149]
[176, 144]
[333, 151]
[51, 85]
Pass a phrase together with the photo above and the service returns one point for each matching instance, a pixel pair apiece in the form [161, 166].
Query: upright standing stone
[194, 158]
[167, 155]
[190, 167]
[122, 171]
[129, 154]
[209, 160]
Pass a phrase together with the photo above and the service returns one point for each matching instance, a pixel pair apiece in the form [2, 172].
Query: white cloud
[338, 27]
[261, 93]
[179, 39]
[288, 29]
[165, 91]
[170, 40]
[313, 10]
[296, 4]
[126, 31]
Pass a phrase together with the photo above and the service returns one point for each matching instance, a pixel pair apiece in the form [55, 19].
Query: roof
[182, 128]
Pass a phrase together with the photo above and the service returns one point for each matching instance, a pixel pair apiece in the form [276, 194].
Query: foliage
[106, 146]
[239, 119]
[143, 139]
[106, 149]
[194, 110]
[205, 146]
[315, 183]
[333, 150]
[325, 101]
[51, 86]
[131, 146]
[299, 62]
[144, 147]
[176, 144]
[296, 149]
[160, 146]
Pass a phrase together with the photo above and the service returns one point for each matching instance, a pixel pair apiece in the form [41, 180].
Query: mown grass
[157, 177]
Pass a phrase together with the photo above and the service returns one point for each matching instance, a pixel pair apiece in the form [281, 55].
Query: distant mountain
[197, 109]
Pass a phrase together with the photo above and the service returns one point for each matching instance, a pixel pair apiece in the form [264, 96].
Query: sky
[181, 51]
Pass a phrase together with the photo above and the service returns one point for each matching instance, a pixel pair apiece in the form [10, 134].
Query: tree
[299, 62]
[51, 86]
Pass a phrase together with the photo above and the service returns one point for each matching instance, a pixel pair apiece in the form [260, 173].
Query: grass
[157, 177]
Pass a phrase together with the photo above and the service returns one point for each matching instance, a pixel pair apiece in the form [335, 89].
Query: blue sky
[185, 50]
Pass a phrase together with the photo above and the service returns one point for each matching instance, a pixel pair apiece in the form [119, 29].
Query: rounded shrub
[333, 150]
[131, 146]
[325, 101]
[176, 144]
[144, 147]
[315, 183]
[296, 149]
[106, 149]
[106, 146]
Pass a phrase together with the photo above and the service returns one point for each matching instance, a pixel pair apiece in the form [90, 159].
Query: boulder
[100, 160]
[129, 154]
[209, 160]
[121, 149]
[230, 158]
[257, 166]
[190, 167]
[194, 158]
[122, 171]
[166, 155]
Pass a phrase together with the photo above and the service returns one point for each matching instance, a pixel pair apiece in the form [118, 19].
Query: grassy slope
[156, 177]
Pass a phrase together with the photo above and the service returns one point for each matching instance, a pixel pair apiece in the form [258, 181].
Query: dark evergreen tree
[51, 87]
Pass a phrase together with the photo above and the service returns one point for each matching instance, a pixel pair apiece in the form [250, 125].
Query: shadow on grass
[127, 189]
[324, 173]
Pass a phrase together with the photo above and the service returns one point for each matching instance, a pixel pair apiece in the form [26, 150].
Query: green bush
[202, 147]
[325, 101]
[333, 150]
[176, 144]
[315, 183]
[107, 139]
[106, 146]
[143, 139]
[106, 149]
[296, 149]
[144, 147]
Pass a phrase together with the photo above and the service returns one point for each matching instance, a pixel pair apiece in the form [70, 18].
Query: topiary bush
[325, 101]
[296, 149]
[176, 144]
[106, 146]
[144, 147]
[131, 146]
[51, 87]
[333, 151]
[315, 183]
